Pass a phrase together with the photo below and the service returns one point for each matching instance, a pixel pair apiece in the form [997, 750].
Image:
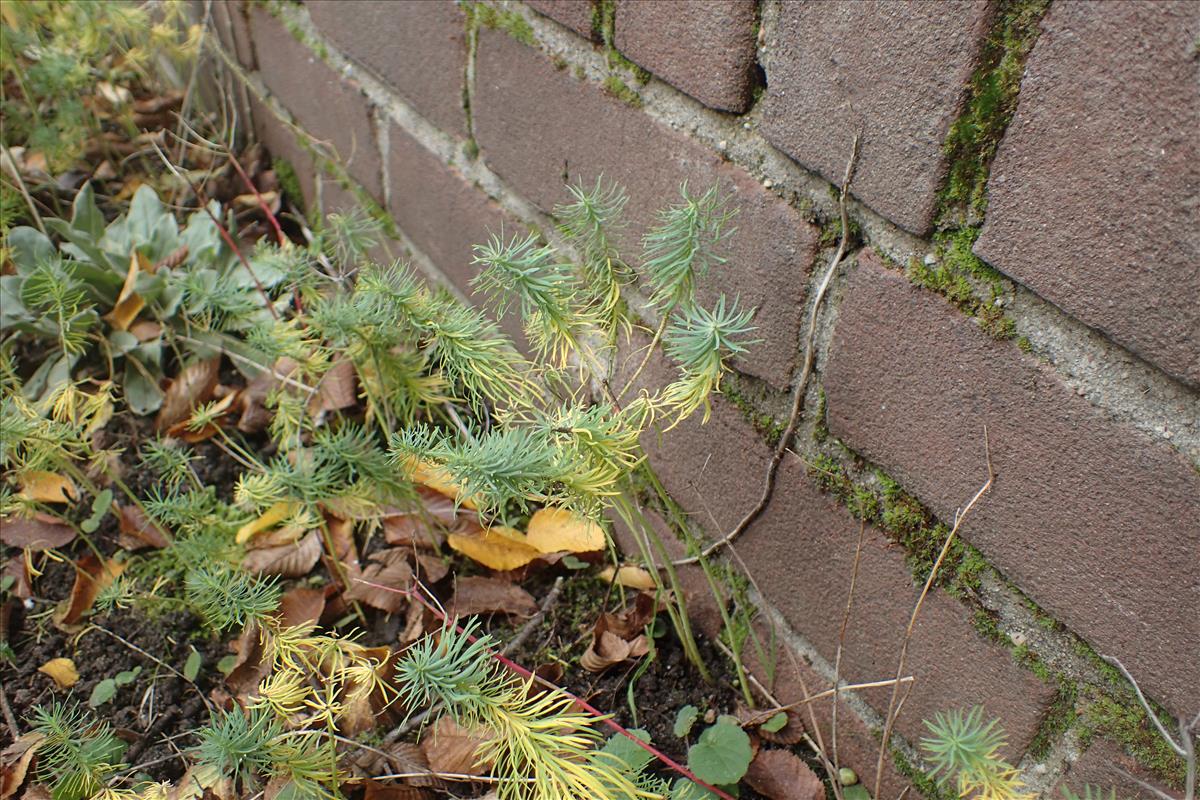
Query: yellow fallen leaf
[440, 480]
[630, 577]
[129, 303]
[498, 548]
[552, 530]
[269, 519]
[62, 670]
[47, 487]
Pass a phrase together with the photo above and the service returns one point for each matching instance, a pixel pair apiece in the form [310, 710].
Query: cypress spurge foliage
[964, 748]
[538, 744]
[78, 753]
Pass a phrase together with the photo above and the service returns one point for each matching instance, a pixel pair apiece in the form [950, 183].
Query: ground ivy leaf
[127, 677]
[685, 719]
[192, 667]
[856, 792]
[102, 692]
[775, 723]
[722, 754]
[633, 758]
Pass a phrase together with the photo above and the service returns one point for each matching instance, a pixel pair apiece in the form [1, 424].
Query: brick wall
[1026, 261]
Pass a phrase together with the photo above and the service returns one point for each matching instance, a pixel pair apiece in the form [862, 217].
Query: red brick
[536, 123]
[703, 49]
[281, 143]
[896, 70]
[333, 110]
[418, 46]
[232, 29]
[1099, 767]
[1095, 520]
[801, 552]
[1095, 191]
[578, 15]
[443, 214]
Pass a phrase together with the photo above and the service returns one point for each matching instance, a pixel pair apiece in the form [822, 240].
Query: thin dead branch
[805, 372]
[837, 659]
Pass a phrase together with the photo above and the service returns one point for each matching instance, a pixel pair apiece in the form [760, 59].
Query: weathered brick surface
[443, 214]
[704, 49]
[417, 46]
[281, 143]
[229, 22]
[332, 109]
[577, 15]
[1095, 191]
[895, 70]
[536, 123]
[801, 551]
[1100, 766]
[1096, 521]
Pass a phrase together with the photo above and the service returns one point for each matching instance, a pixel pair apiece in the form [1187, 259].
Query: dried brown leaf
[301, 605]
[17, 568]
[552, 530]
[39, 532]
[481, 595]
[62, 671]
[14, 763]
[47, 487]
[192, 386]
[452, 748]
[137, 531]
[91, 578]
[390, 570]
[285, 560]
[337, 389]
[498, 548]
[781, 775]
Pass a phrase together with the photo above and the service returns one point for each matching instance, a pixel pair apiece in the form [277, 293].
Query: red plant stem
[416, 594]
[261, 202]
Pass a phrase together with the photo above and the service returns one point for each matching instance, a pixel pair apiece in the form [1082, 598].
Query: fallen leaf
[341, 537]
[289, 560]
[452, 748]
[186, 431]
[791, 732]
[14, 763]
[480, 595]
[392, 574]
[192, 386]
[337, 389]
[552, 530]
[129, 303]
[430, 568]
[255, 416]
[62, 671]
[251, 200]
[146, 330]
[268, 519]
[781, 775]
[250, 667]
[39, 532]
[423, 526]
[373, 790]
[37, 791]
[619, 637]
[630, 577]
[91, 578]
[47, 487]
[440, 480]
[17, 568]
[137, 531]
[498, 547]
[300, 606]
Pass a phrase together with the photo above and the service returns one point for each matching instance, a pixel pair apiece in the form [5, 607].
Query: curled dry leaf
[403, 757]
[452, 748]
[17, 568]
[337, 389]
[791, 733]
[425, 525]
[91, 578]
[47, 487]
[393, 576]
[268, 519]
[14, 763]
[553, 530]
[39, 532]
[629, 576]
[183, 430]
[62, 671]
[438, 479]
[129, 303]
[137, 531]
[288, 560]
[781, 775]
[618, 637]
[250, 668]
[498, 548]
[480, 595]
[146, 330]
[430, 568]
[300, 606]
[194, 385]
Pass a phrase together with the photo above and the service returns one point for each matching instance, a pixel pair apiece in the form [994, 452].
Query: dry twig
[805, 372]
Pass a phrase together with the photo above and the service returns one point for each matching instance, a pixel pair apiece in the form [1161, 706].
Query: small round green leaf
[191, 667]
[775, 723]
[685, 719]
[722, 755]
[104, 691]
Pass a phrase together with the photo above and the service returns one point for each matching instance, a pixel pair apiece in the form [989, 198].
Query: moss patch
[952, 274]
[972, 140]
[1059, 718]
[923, 782]
[289, 181]
[616, 87]
[765, 425]
[501, 19]
[1125, 721]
